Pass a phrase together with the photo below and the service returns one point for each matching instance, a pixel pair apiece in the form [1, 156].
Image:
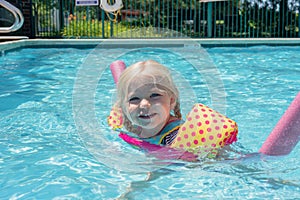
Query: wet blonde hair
[149, 70]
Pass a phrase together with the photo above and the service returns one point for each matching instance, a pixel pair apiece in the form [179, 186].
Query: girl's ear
[173, 102]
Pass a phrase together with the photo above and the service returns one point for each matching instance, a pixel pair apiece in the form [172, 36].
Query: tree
[162, 12]
[284, 8]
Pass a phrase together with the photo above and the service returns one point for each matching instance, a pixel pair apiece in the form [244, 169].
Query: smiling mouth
[147, 116]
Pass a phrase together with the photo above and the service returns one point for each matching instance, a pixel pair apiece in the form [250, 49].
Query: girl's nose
[144, 103]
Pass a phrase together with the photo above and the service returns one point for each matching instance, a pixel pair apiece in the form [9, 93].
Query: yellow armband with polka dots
[205, 129]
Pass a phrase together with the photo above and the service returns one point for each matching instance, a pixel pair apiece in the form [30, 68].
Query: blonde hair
[158, 74]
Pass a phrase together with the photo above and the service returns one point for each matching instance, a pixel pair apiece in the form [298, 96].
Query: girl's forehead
[145, 82]
[142, 80]
[144, 87]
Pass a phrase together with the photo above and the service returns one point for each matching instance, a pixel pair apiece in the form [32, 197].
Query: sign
[87, 2]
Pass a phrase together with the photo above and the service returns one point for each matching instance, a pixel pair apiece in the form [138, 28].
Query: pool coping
[115, 43]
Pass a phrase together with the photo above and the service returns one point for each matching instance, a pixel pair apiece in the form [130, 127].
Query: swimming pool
[53, 147]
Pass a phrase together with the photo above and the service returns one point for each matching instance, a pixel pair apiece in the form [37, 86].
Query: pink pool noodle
[286, 133]
[116, 68]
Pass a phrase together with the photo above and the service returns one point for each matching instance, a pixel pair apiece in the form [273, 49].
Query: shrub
[82, 28]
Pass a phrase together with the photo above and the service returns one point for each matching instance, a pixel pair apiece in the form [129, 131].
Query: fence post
[298, 25]
[32, 18]
[111, 23]
[209, 19]
[103, 24]
[61, 15]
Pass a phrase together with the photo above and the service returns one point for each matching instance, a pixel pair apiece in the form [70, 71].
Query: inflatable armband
[205, 129]
[115, 119]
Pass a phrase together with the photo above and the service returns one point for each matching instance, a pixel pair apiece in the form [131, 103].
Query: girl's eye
[134, 99]
[155, 95]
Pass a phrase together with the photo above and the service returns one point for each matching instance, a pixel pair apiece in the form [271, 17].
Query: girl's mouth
[147, 116]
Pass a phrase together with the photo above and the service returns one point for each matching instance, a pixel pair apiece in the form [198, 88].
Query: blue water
[55, 143]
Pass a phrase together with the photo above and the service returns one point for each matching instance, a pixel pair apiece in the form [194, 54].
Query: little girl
[149, 101]
[148, 106]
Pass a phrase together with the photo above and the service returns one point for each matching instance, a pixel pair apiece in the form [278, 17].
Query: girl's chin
[147, 127]
[151, 127]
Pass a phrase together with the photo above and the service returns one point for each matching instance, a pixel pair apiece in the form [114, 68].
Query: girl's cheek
[131, 108]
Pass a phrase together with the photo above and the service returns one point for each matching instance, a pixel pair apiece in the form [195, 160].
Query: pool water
[53, 147]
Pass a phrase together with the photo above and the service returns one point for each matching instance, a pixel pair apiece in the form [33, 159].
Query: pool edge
[10, 45]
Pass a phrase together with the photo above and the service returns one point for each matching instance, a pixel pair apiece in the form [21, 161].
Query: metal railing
[168, 19]
[18, 18]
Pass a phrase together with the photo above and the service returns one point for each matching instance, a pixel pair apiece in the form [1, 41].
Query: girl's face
[149, 107]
